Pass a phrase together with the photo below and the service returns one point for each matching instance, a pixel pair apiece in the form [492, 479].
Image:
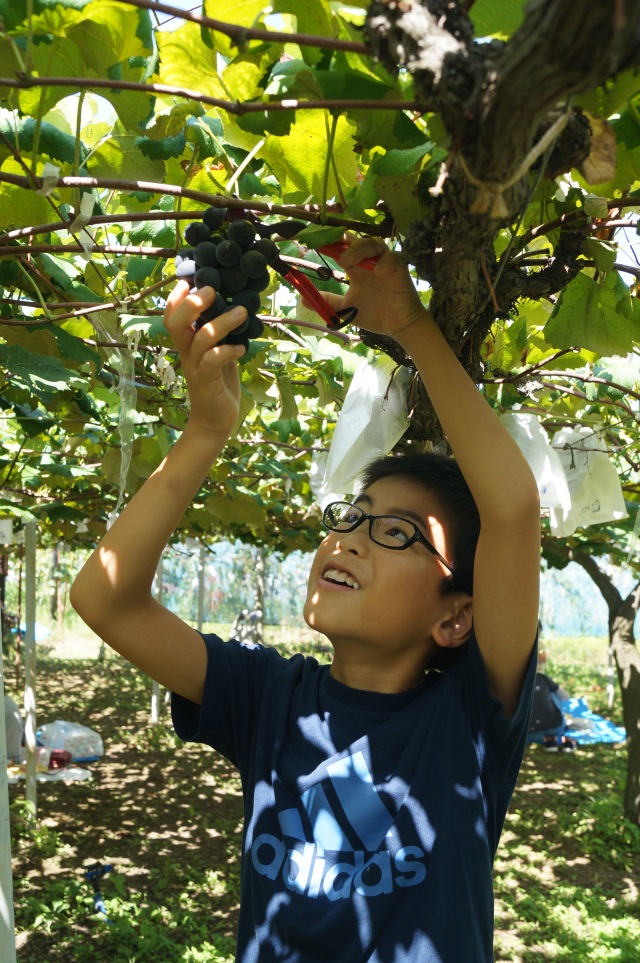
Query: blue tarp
[589, 727]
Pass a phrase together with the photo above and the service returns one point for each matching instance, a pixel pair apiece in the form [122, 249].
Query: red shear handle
[338, 248]
[310, 293]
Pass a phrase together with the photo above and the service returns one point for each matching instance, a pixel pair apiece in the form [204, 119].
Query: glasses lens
[392, 532]
[341, 516]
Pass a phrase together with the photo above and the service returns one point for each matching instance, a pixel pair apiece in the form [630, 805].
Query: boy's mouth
[338, 577]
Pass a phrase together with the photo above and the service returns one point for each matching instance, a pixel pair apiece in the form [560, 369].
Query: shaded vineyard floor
[167, 816]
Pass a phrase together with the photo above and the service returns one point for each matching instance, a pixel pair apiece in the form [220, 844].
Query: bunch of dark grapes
[229, 256]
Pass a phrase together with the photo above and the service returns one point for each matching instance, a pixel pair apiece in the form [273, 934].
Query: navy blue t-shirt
[371, 819]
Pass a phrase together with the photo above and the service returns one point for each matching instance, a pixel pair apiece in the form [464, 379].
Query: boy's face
[398, 600]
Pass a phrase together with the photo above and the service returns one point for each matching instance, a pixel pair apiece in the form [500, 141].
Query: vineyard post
[30, 538]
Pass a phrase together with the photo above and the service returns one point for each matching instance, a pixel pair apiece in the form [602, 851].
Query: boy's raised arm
[112, 592]
[507, 565]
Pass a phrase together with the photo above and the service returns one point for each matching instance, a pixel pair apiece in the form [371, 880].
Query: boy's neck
[389, 678]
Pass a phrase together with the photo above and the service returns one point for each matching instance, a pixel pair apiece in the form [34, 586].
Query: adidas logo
[338, 832]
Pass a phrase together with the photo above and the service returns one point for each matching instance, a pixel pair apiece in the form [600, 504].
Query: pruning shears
[305, 286]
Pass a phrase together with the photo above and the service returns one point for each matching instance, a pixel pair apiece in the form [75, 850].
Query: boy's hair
[442, 478]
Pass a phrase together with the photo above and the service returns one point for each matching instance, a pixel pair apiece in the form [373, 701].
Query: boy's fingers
[182, 310]
[361, 248]
[335, 300]
[212, 332]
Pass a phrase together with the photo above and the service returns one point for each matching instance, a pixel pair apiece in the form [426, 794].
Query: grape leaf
[593, 315]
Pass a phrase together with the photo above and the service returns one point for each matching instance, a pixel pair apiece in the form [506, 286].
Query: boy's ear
[454, 629]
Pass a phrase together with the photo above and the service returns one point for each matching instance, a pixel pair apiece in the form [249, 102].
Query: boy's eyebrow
[400, 512]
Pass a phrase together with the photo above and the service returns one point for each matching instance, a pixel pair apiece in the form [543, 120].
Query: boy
[375, 791]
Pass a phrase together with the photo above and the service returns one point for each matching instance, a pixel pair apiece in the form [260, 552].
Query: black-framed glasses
[390, 531]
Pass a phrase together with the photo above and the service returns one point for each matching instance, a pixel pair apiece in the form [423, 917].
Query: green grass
[168, 817]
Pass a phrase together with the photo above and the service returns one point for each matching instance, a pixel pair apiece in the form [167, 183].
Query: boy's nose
[357, 541]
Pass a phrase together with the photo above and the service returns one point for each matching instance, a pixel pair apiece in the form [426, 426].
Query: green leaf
[275, 122]
[509, 345]
[603, 254]
[497, 18]
[140, 268]
[34, 368]
[592, 315]
[612, 97]
[152, 327]
[119, 158]
[12, 13]
[314, 19]
[155, 233]
[161, 149]
[49, 339]
[316, 235]
[397, 163]
[63, 273]
[288, 405]
[207, 134]
[51, 141]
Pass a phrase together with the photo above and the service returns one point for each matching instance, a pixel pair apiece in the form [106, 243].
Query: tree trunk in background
[622, 615]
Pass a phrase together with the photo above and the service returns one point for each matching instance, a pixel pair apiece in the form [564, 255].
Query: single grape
[268, 248]
[248, 299]
[255, 327]
[214, 310]
[261, 283]
[186, 269]
[242, 232]
[208, 277]
[253, 263]
[196, 232]
[228, 253]
[214, 217]
[205, 254]
[233, 280]
[220, 304]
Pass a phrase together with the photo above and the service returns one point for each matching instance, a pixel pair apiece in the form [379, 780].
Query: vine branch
[22, 82]
[240, 35]
[306, 212]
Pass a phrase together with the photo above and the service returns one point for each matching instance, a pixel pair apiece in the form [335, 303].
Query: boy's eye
[395, 530]
[350, 518]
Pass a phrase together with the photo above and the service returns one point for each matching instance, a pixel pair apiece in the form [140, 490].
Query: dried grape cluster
[230, 255]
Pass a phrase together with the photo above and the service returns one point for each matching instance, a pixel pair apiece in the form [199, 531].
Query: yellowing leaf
[299, 158]
[600, 165]
[20, 206]
[186, 61]
[106, 34]
[246, 13]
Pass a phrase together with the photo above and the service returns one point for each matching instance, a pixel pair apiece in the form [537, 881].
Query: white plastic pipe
[7, 931]
[30, 723]
[201, 566]
[155, 687]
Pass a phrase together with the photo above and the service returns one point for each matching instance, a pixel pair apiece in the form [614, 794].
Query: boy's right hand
[209, 368]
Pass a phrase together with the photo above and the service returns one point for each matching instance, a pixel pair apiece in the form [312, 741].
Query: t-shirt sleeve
[235, 680]
[500, 740]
